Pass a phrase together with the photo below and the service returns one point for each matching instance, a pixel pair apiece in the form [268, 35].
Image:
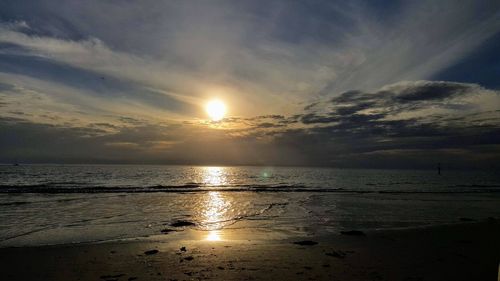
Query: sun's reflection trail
[213, 235]
[215, 208]
[214, 176]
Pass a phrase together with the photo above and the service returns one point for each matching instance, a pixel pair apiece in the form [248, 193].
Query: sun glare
[216, 110]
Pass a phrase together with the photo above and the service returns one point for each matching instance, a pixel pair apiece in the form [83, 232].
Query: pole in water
[439, 168]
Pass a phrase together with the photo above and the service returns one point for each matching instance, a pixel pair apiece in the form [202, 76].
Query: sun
[216, 110]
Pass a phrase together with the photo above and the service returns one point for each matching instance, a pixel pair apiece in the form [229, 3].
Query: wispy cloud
[248, 55]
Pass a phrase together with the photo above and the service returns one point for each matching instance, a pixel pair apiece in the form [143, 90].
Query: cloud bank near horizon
[408, 124]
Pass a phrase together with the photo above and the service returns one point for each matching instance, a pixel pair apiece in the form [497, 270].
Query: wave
[193, 187]
[17, 203]
[478, 185]
[219, 224]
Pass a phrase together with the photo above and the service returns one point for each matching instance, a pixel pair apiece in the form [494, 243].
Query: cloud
[424, 39]
[320, 83]
[459, 126]
[422, 115]
[242, 52]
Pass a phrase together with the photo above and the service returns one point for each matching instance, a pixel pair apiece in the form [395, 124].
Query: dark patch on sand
[151, 252]
[353, 233]
[111, 276]
[306, 243]
[181, 223]
[336, 254]
[166, 231]
[190, 258]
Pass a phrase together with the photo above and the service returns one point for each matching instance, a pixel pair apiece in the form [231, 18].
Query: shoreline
[462, 251]
[197, 234]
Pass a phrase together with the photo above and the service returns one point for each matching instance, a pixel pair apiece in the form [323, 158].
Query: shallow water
[63, 204]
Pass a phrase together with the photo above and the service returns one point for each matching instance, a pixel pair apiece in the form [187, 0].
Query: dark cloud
[312, 118]
[131, 121]
[391, 100]
[310, 106]
[444, 116]
[430, 91]
[269, 125]
[104, 126]
[274, 116]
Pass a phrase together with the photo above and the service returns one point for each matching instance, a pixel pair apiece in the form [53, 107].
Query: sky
[354, 84]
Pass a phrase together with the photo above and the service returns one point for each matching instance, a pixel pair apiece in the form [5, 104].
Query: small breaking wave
[193, 187]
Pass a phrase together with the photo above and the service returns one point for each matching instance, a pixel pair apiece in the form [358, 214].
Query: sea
[59, 204]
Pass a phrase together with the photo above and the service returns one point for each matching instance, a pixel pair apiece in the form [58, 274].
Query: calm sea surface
[51, 204]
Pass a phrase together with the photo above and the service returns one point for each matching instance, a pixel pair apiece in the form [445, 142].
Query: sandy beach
[465, 251]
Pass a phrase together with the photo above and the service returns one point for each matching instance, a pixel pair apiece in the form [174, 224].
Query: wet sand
[467, 251]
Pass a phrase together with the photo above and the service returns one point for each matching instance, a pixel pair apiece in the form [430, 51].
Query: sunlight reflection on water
[77, 203]
[213, 235]
[215, 210]
[215, 176]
